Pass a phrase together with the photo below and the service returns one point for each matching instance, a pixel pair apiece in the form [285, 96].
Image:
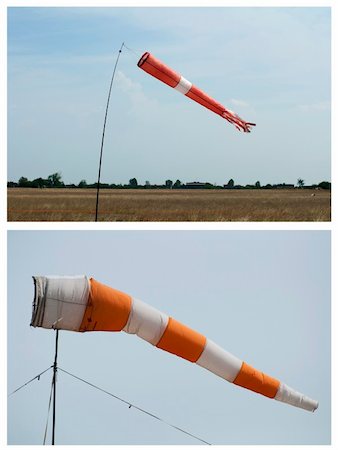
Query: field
[169, 205]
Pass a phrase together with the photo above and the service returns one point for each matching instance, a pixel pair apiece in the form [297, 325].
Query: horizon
[173, 181]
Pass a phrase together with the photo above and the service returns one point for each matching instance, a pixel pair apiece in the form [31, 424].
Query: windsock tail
[288, 395]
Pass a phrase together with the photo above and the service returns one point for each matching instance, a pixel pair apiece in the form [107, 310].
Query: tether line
[136, 407]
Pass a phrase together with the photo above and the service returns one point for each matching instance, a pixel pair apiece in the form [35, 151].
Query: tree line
[55, 181]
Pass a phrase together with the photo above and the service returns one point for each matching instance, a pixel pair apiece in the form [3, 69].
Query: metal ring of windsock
[82, 304]
[162, 72]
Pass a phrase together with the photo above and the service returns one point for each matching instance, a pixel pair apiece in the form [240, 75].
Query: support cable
[37, 377]
[138, 53]
[49, 403]
[103, 133]
[55, 368]
[134, 406]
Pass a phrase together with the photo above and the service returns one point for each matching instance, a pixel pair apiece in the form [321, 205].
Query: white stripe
[60, 302]
[288, 395]
[183, 86]
[219, 361]
[145, 321]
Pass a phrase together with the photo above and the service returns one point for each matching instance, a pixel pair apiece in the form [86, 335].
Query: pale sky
[262, 295]
[270, 65]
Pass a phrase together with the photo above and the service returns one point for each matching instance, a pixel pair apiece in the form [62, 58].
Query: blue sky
[270, 65]
[264, 296]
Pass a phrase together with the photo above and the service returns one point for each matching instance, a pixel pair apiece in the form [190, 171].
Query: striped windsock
[82, 304]
[162, 72]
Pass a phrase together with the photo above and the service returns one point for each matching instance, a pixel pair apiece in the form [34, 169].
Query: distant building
[195, 185]
[284, 186]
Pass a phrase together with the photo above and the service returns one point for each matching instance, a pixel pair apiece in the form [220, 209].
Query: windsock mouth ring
[60, 302]
[38, 301]
[143, 59]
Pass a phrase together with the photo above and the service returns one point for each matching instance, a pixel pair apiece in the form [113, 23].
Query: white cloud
[138, 99]
[237, 102]
[320, 106]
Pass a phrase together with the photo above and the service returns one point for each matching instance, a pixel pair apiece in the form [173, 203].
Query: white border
[162, 225]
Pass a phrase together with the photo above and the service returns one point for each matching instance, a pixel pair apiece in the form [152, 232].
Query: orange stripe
[257, 381]
[205, 100]
[157, 69]
[107, 309]
[182, 341]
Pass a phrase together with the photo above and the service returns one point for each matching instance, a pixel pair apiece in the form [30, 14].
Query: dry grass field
[169, 205]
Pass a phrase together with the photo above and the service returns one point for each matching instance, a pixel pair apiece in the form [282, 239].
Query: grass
[26, 204]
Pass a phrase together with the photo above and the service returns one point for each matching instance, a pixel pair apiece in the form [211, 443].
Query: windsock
[82, 304]
[162, 72]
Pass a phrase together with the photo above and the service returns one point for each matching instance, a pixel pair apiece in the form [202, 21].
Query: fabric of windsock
[82, 304]
[162, 72]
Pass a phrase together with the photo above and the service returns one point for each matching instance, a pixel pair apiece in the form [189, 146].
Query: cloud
[140, 103]
[319, 106]
[238, 102]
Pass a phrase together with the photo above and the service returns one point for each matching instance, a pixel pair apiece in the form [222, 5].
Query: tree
[300, 183]
[133, 183]
[39, 183]
[324, 185]
[177, 184]
[168, 184]
[258, 185]
[24, 182]
[209, 186]
[54, 180]
[82, 184]
[231, 183]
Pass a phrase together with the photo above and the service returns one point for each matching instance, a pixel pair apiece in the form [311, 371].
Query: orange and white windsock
[82, 304]
[162, 72]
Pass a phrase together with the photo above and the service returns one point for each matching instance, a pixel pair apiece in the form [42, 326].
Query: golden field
[26, 204]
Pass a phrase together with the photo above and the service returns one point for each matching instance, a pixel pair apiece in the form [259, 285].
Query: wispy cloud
[140, 102]
[237, 102]
[319, 106]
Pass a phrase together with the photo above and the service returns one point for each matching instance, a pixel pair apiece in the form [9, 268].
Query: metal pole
[103, 133]
[54, 383]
